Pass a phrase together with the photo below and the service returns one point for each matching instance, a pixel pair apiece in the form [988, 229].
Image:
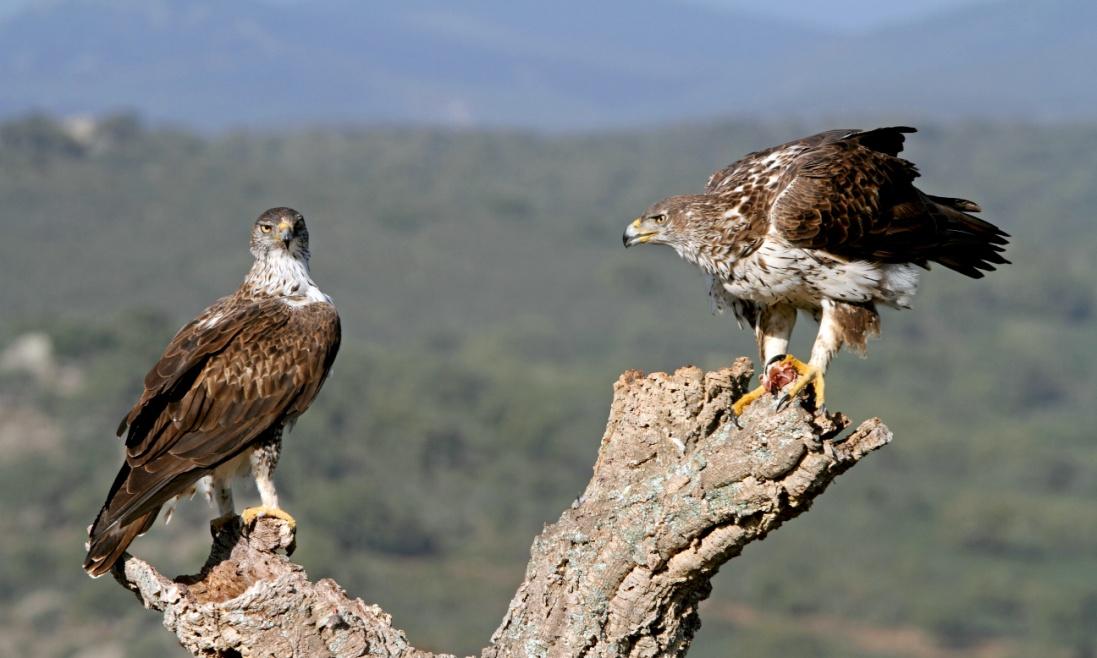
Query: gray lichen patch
[676, 492]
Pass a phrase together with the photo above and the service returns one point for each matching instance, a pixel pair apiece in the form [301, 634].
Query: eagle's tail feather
[967, 244]
[105, 548]
[112, 532]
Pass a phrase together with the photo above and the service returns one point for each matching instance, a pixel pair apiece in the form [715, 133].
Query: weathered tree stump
[678, 489]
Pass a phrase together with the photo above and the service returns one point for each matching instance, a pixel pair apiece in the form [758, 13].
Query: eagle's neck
[703, 259]
[277, 273]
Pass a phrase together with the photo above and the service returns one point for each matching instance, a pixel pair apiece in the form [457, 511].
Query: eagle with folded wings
[216, 403]
[830, 224]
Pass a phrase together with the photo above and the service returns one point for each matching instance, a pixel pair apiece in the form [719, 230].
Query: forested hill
[488, 305]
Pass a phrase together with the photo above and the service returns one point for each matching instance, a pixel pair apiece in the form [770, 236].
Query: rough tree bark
[678, 489]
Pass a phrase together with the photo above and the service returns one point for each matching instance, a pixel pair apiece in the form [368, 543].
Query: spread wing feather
[216, 389]
[853, 198]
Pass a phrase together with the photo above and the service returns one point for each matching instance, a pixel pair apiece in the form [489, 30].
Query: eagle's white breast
[282, 275]
[780, 273]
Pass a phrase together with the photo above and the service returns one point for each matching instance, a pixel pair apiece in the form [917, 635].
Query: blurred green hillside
[488, 306]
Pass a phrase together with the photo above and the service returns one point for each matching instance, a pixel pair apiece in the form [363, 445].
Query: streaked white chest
[779, 273]
[310, 295]
[288, 278]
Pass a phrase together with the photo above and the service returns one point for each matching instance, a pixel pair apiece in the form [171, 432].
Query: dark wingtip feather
[107, 546]
[963, 205]
[968, 245]
[104, 550]
[887, 140]
[110, 535]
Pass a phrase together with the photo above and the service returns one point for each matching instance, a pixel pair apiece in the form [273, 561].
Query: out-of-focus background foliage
[467, 171]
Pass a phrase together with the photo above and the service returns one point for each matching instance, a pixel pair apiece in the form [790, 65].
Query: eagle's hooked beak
[636, 233]
[285, 232]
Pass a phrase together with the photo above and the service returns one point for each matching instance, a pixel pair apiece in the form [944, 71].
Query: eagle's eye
[266, 228]
[661, 218]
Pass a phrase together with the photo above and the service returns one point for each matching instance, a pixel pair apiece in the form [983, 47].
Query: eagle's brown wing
[215, 390]
[757, 164]
[853, 198]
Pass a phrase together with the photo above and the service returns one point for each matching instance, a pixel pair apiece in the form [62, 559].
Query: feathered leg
[826, 346]
[263, 468]
[263, 461]
[775, 324]
[840, 324]
[220, 492]
[772, 332]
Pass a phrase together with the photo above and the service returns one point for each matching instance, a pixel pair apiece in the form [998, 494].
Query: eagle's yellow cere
[830, 224]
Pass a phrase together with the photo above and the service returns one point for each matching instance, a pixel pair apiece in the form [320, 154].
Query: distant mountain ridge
[560, 65]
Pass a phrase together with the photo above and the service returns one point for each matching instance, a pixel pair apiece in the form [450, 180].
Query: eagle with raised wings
[227, 385]
[830, 224]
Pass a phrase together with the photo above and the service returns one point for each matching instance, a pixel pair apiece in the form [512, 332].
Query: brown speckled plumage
[225, 385]
[830, 224]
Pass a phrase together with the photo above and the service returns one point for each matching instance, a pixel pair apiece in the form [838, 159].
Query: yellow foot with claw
[740, 405]
[252, 513]
[808, 375]
[287, 533]
[780, 371]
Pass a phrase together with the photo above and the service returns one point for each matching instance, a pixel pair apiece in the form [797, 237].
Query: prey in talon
[831, 226]
[782, 370]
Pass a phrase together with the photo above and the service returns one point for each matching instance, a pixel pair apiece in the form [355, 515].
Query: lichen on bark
[678, 489]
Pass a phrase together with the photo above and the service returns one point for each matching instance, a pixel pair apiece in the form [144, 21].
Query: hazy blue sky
[848, 14]
[8, 6]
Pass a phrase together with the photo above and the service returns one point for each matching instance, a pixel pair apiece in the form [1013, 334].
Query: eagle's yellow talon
[781, 367]
[252, 513]
[740, 405]
[809, 375]
[780, 371]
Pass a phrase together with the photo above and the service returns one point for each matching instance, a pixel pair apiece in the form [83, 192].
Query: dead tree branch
[678, 489]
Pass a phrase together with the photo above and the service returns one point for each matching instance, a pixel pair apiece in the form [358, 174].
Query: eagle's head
[678, 221]
[279, 232]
